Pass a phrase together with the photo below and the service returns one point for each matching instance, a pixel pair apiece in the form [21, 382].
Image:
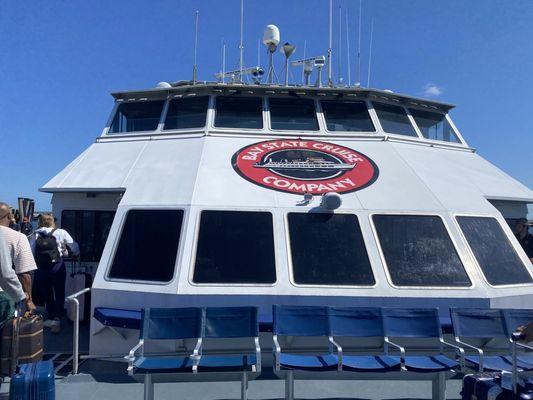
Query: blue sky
[60, 60]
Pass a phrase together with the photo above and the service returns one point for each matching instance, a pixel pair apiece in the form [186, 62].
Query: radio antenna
[348, 50]
[339, 67]
[223, 71]
[330, 79]
[258, 52]
[370, 54]
[303, 65]
[195, 66]
[240, 45]
[358, 83]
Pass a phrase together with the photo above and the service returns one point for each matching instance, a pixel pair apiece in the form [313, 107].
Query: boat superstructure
[214, 193]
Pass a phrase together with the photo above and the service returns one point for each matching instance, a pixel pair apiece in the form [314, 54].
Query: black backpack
[46, 252]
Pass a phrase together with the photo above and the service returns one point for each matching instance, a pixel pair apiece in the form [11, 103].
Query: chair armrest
[457, 349]
[400, 348]
[333, 343]
[131, 355]
[196, 356]
[257, 354]
[523, 345]
[277, 352]
[480, 352]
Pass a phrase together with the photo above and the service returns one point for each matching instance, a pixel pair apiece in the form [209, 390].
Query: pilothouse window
[239, 112]
[148, 246]
[293, 114]
[186, 113]
[350, 116]
[493, 250]
[434, 126]
[137, 117]
[394, 119]
[419, 252]
[328, 249]
[235, 247]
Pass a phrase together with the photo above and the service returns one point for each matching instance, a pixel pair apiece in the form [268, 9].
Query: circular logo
[304, 166]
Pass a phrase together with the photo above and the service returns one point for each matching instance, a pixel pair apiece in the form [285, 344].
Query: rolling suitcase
[28, 347]
[488, 386]
[77, 279]
[33, 381]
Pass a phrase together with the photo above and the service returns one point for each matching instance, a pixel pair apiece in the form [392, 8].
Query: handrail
[76, 330]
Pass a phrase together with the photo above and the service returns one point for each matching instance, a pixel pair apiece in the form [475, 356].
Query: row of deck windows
[286, 114]
[237, 247]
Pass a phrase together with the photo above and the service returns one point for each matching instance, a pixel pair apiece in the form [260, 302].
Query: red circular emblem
[304, 166]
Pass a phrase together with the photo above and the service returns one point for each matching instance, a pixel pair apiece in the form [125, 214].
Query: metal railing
[76, 329]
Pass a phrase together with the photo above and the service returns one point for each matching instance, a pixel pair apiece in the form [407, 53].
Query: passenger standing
[524, 237]
[9, 281]
[50, 246]
[20, 252]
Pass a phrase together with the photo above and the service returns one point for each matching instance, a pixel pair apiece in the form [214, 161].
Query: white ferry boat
[212, 193]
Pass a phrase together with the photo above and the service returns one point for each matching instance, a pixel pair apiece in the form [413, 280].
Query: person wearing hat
[524, 237]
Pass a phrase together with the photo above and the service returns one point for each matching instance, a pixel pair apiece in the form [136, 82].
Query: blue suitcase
[34, 381]
[488, 386]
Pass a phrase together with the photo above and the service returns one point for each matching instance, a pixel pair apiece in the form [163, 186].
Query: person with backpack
[20, 252]
[50, 246]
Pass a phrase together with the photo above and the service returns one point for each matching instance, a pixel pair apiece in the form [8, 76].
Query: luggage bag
[33, 381]
[488, 386]
[29, 346]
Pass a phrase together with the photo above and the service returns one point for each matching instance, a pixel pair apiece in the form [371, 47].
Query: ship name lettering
[309, 187]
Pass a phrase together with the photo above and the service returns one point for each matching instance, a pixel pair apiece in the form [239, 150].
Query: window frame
[386, 266]
[184, 130]
[320, 111]
[213, 105]
[117, 238]
[461, 142]
[474, 258]
[133, 133]
[194, 252]
[410, 118]
[329, 286]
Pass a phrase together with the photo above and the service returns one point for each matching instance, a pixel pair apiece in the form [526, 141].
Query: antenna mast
[348, 50]
[240, 45]
[223, 72]
[339, 67]
[370, 55]
[303, 66]
[195, 67]
[330, 79]
[358, 83]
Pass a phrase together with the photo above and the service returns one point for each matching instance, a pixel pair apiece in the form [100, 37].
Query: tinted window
[235, 247]
[148, 246]
[394, 119]
[493, 251]
[293, 114]
[328, 249]
[186, 113]
[434, 126]
[90, 229]
[136, 117]
[418, 251]
[347, 116]
[239, 112]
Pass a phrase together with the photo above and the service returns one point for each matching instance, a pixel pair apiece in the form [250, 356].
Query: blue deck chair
[169, 324]
[290, 322]
[420, 323]
[239, 327]
[422, 326]
[513, 320]
[485, 327]
[348, 322]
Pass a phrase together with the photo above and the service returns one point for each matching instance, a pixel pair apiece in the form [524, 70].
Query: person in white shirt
[50, 246]
[9, 281]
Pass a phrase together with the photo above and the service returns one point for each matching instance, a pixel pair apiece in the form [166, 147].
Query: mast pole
[348, 51]
[195, 66]
[359, 45]
[370, 54]
[240, 45]
[330, 79]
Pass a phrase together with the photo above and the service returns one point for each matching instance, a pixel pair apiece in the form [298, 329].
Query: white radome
[271, 35]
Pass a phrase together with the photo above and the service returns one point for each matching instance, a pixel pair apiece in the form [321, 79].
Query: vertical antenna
[303, 64]
[348, 51]
[370, 54]
[241, 46]
[339, 67]
[359, 46]
[330, 80]
[195, 67]
[223, 60]
[258, 52]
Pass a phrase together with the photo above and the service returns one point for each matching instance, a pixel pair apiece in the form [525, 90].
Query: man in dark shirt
[524, 237]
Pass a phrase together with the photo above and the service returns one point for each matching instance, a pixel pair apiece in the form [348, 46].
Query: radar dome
[271, 35]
